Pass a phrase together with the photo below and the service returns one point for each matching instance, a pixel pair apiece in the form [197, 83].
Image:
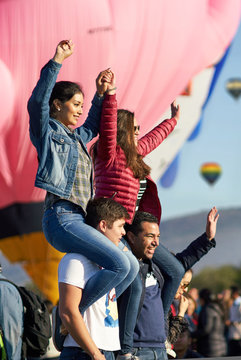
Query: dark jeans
[151, 353]
[128, 304]
[75, 353]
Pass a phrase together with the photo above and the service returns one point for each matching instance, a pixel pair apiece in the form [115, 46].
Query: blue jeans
[65, 229]
[75, 353]
[172, 271]
[135, 267]
[128, 304]
[151, 353]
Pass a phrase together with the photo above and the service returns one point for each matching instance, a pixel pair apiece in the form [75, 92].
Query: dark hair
[63, 91]
[234, 290]
[185, 329]
[205, 295]
[125, 139]
[104, 209]
[136, 227]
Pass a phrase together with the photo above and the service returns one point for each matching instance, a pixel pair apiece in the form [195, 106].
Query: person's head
[66, 102]
[234, 292]
[194, 293]
[143, 235]
[127, 139]
[226, 295]
[107, 216]
[183, 342]
[205, 296]
[183, 287]
[192, 305]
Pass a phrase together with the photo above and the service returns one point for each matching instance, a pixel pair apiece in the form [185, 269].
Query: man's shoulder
[7, 283]
[76, 258]
[76, 269]
[74, 261]
[9, 292]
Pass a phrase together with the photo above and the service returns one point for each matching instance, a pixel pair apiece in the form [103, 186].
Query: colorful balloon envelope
[211, 172]
[140, 51]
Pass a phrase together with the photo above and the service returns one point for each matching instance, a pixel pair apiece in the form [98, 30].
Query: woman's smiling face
[71, 110]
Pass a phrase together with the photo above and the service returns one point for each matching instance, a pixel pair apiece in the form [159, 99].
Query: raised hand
[63, 50]
[175, 110]
[211, 226]
[183, 305]
[111, 88]
[103, 80]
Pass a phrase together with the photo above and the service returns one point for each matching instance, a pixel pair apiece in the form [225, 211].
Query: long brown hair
[125, 139]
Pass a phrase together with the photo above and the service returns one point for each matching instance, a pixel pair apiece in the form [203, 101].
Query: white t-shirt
[101, 318]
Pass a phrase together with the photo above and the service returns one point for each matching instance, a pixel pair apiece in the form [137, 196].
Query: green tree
[217, 279]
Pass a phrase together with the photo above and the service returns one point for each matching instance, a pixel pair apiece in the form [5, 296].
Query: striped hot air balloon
[210, 172]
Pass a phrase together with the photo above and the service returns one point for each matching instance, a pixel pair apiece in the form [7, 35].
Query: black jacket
[145, 267]
[210, 332]
[195, 251]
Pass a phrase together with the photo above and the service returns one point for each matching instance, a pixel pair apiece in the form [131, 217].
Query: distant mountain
[177, 233]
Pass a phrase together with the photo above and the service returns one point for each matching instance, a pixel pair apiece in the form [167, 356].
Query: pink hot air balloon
[155, 47]
[7, 97]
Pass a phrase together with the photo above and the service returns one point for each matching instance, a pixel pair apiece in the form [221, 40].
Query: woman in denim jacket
[65, 172]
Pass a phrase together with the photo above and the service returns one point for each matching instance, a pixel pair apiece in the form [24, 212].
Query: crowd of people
[213, 324]
[122, 294]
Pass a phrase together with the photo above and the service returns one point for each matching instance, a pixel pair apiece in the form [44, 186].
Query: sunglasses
[184, 286]
[137, 128]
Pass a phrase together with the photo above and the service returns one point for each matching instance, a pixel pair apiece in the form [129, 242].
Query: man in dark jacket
[149, 335]
[143, 237]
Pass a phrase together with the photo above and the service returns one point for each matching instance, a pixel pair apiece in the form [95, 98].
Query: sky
[219, 141]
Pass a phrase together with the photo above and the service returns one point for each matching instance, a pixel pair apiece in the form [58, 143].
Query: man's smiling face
[144, 244]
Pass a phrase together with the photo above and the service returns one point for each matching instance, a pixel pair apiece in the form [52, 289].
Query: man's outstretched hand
[212, 220]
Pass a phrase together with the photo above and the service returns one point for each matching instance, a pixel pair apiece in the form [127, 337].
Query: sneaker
[58, 338]
[127, 357]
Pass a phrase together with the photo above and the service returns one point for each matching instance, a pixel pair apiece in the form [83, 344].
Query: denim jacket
[55, 144]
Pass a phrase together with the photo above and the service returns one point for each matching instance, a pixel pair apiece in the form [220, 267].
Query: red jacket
[111, 174]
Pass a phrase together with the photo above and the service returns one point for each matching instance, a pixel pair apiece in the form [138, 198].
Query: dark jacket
[210, 332]
[56, 145]
[195, 251]
[145, 267]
